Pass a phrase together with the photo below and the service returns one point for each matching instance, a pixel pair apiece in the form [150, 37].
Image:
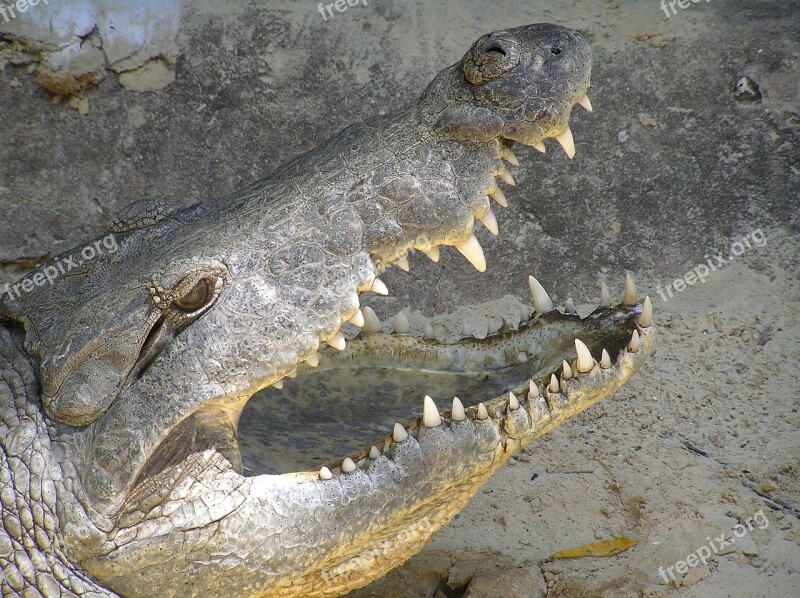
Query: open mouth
[357, 398]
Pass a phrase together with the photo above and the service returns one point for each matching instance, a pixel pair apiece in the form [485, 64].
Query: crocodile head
[150, 357]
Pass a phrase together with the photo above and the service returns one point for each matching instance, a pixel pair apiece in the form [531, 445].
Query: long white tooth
[399, 434]
[513, 402]
[541, 300]
[401, 324]
[569, 307]
[508, 178]
[629, 298]
[325, 473]
[313, 360]
[348, 466]
[482, 413]
[585, 360]
[566, 370]
[522, 357]
[338, 342]
[584, 101]
[605, 360]
[511, 158]
[430, 414]
[358, 319]
[490, 222]
[466, 329]
[371, 321]
[539, 146]
[605, 296]
[278, 384]
[292, 374]
[403, 264]
[633, 346]
[473, 251]
[433, 253]
[427, 331]
[378, 286]
[646, 317]
[374, 453]
[567, 142]
[553, 383]
[499, 197]
[458, 414]
[533, 390]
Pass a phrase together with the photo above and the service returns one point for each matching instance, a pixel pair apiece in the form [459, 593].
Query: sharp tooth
[399, 434]
[371, 321]
[522, 357]
[458, 414]
[325, 473]
[338, 342]
[585, 359]
[466, 329]
[430, 414]
[374, 453]
[633, 346]
[278, 384]
[629, 298]
[512, 159]
[433, 253]
[473, 251]
[541, 300]
[401, 324]
[539, 145]
[313, 360]
[605, 296]
[584, 101]
[553, 383]
[533, 390]
[513, 402]
[499, 197]
[402, 263]
[482, 413]
[348, 466]
[605, 360]
[566, 370]
[507, 177]
[490, 222]
[292, 374]
[358, 319]
[379, 287]
[569, 307]
[646, 317]
[566, 141]
[428, 330]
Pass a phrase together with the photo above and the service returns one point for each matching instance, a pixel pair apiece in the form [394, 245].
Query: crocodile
[142, 389]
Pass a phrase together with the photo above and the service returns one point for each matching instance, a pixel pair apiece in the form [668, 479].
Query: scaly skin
[122, 383]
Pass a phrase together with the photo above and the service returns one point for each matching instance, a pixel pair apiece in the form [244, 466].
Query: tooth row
[431, 418]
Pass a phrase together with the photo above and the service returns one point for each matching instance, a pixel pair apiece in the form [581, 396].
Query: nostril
[555, 50]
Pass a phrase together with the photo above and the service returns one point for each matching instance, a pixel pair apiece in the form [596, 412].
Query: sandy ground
[671, 168]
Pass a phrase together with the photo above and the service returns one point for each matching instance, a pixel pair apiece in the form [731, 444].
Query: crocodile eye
[196, 298]
[497, 49]
[490, 58]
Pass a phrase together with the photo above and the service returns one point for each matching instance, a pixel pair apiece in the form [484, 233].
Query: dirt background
[673, 166]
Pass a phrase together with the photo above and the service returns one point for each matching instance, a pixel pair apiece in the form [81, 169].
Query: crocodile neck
[34, 490]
